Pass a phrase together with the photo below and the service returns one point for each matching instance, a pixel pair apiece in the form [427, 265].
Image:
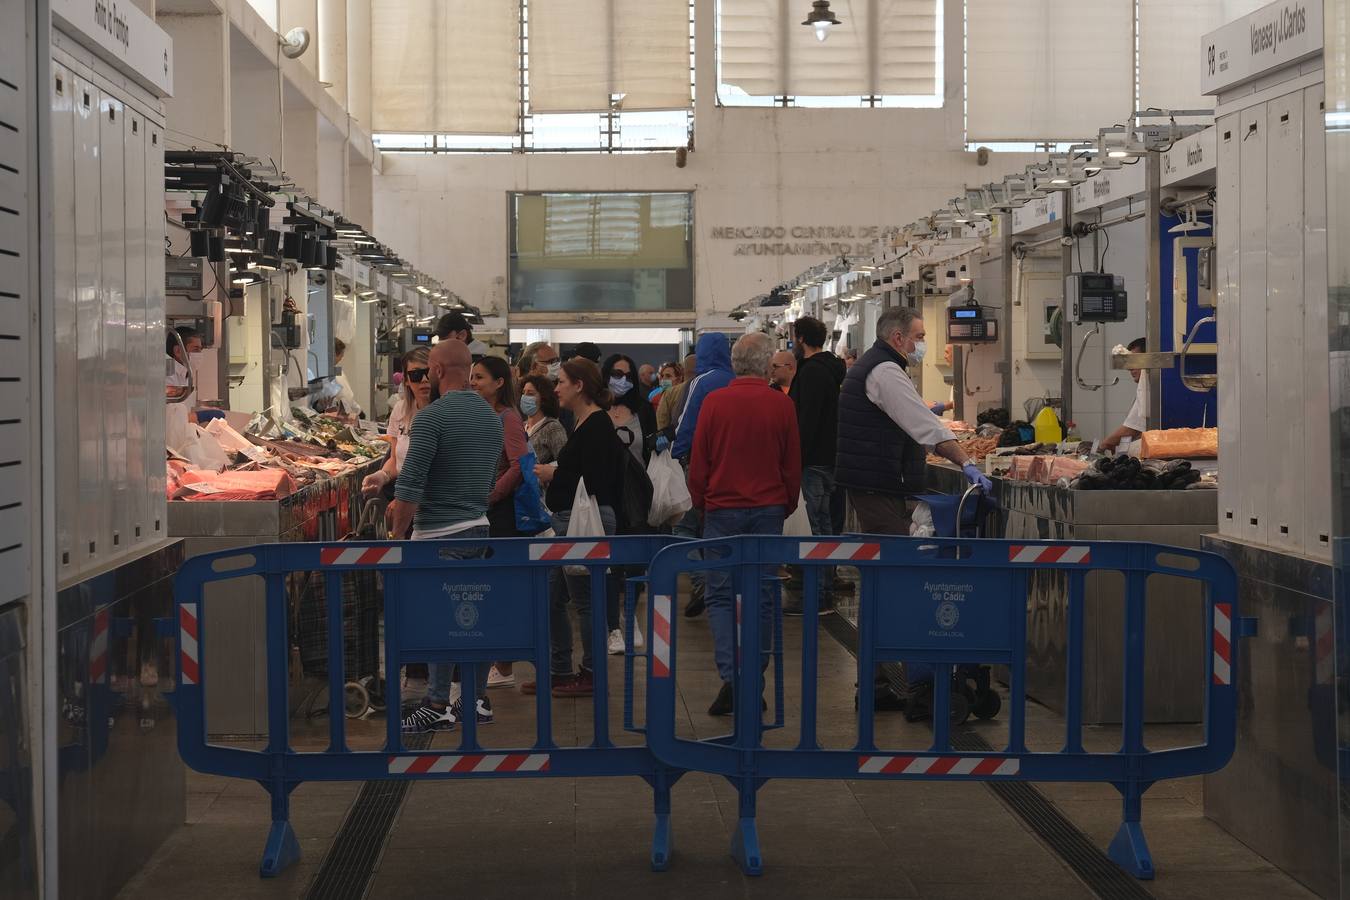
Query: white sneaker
[455, 691]
[497, 679]
[616, 647]
[637, 636]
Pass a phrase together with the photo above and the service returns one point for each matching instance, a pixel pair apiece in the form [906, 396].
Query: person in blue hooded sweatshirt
[714, 372]
[713, 365]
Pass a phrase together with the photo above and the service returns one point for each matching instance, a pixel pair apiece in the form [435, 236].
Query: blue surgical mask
[667, 382]
[529, 405]
[619, 385]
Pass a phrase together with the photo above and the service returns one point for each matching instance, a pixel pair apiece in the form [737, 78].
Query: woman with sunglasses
[416, 395]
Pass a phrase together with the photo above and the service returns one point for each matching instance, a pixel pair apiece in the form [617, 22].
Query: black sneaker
[724, 705]
[696, 604]
[885, 699]
[428, 718]
[793, 608]
[826, 604]
[484, 710]
[920, 703]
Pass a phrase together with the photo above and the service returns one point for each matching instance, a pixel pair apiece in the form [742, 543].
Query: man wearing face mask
[885, 426]
[192, 343]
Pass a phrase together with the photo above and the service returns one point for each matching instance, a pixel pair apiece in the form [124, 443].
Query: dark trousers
[881, 514]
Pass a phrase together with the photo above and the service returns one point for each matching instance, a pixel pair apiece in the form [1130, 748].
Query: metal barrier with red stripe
[440, 607]
[946, 603]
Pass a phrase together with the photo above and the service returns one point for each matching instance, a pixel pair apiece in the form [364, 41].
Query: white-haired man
[745, 473]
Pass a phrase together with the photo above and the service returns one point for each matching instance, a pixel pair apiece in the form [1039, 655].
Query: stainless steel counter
[1174, 678]
[1278, 795]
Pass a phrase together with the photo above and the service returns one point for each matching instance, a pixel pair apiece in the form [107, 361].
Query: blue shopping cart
[964, 516]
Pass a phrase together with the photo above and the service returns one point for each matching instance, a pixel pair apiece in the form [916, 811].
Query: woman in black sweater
[632, 412]
[592, 453]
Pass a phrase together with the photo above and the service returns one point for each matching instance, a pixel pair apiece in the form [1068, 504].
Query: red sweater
[747, 451]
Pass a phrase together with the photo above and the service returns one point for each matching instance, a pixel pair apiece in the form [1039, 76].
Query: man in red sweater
[745, 473]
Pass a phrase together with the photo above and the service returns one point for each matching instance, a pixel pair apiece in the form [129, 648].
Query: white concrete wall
[751, 167]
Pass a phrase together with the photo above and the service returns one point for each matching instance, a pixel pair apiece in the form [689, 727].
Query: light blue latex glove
[662, 443]
[938, 408]
[976, 477]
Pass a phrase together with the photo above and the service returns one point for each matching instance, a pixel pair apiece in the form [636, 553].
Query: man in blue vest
[884, 430]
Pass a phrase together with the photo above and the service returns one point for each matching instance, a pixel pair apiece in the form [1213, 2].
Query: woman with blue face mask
[635, 423]
[633, 416]
[539, 406]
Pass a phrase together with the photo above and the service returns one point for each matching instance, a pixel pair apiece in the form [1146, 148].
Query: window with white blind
[585, 54]
[883, 53]
[1169, 48]
[532, 75]
[1045, 71]
[445, 66]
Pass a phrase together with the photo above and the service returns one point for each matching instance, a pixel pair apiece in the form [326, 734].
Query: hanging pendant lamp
[821, 18]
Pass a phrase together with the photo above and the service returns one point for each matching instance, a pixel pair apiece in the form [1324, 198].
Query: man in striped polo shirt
[442, 492]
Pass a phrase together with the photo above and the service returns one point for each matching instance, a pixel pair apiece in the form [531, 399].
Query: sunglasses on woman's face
[417, 376]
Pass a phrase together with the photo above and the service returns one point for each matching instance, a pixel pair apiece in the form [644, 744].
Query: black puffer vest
[873, 453]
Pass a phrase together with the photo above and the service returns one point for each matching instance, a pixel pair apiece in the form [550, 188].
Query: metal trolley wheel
[355, 700]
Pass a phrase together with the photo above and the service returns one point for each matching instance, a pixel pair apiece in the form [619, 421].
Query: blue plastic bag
[531, 515]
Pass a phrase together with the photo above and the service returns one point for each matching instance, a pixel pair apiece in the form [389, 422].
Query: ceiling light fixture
[821, 19]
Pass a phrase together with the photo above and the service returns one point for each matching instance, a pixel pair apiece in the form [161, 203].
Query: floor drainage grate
[1096, 870]
[349, 865]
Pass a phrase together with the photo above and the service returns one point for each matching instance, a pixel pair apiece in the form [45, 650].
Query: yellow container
[1047, 427]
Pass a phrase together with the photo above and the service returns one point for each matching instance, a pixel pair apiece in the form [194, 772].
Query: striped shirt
[452, 461]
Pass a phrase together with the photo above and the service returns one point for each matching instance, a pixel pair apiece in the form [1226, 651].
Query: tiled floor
[589, 838]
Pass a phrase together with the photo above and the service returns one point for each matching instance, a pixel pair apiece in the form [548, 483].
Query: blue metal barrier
[945, 602]
[438, 608]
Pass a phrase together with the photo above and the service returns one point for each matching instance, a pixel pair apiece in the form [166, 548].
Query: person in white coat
[1136, 422]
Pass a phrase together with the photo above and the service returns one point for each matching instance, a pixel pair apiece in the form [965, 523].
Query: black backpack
[635, 497]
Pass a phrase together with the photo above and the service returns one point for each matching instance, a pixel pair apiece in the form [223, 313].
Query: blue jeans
[438, 685]
[561, 587]
[721, 608]
[818, 490]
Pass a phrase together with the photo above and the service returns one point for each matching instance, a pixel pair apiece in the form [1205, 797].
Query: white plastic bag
[799, 523]
[177, 429]
[203, 450]
[670, 495]
[585, 522]
[921, 522]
